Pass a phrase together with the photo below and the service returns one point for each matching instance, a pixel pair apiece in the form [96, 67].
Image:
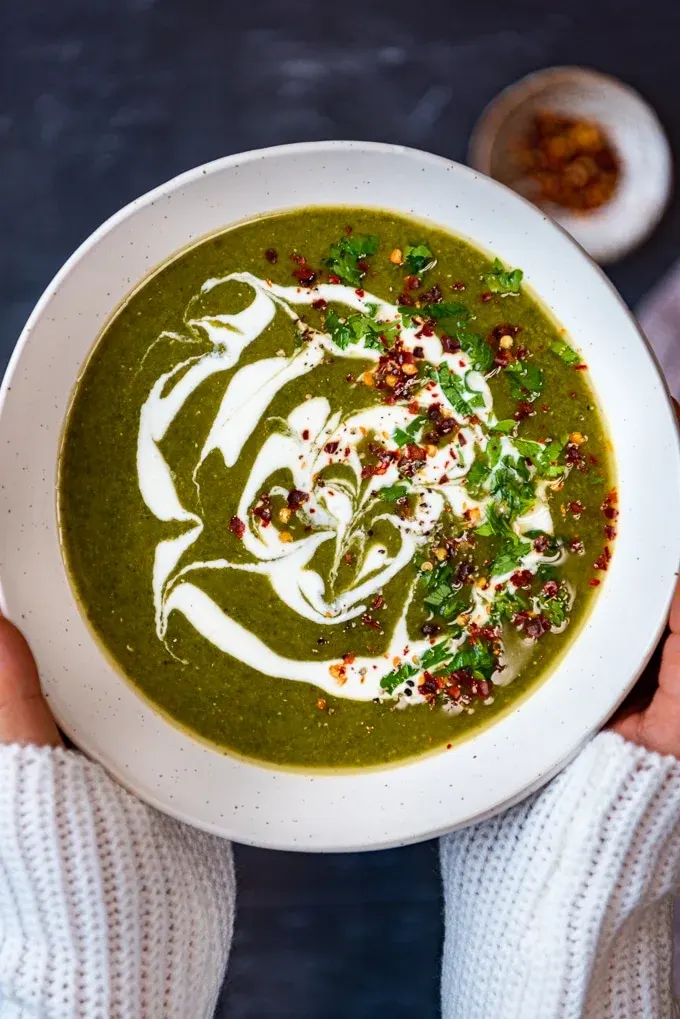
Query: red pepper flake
[462, 441]
[349, 558]
[576, 546]
[459, 285]
[305, 275]
[524, 410]
[332, 278]
[348, 229]
[378, 602]
[271, 255]
[522, 578]
[363, 265]
[449, 745]
[349, 658]
[580, 367]
[609, 505]
[370, 622]
[418, 352]
[602, 562]
[533, 627]
[296, 498]
[576, 507]
[444, 480]
[609, 532]
[331, 447]
[359, 292]
[542, 543]
[305, 434]
[413, 282]
[237, 527]
[594, 582]
[319, 304]
[406, 299]
[263, 509]
[486, 297]
[550, 588]
[433, 295]
[450, 345]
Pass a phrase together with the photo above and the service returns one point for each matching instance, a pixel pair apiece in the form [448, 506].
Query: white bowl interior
[610, 232]
[371, 808]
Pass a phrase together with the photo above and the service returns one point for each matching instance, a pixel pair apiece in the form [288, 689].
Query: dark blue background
[103, 99]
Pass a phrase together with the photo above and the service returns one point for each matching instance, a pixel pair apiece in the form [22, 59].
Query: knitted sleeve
[561, 907]
[107, 908]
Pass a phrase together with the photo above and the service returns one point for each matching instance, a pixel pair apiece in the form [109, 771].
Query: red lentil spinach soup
[334, 490]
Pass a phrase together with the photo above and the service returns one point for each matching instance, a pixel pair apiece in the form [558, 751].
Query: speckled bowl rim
[375, 808]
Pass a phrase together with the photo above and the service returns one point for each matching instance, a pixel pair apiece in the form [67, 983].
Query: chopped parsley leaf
[505, 427]
[404, 435]
[357, 327]
[393, 679]
[418, 258]
[564, 351]
[343, 257]
[463, 399]
[476, 656]
[500, 280]
[525, 380]
[506, 605]
[393, 492]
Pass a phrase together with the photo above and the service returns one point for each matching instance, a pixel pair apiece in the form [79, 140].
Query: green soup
[334, 490]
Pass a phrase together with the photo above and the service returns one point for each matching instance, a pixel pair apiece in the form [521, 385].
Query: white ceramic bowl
[372, 808]
[610, 232]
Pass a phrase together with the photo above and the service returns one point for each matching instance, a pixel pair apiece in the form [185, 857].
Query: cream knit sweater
[559, 908]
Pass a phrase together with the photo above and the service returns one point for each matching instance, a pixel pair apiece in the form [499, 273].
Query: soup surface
[334, 489]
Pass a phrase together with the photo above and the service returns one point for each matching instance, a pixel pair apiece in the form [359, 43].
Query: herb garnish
[463, 399]
[393, 492]
[419, 258]
[345, 331]
[525, 379]
[565, 352]
[500, 280]
[343, 258]
[402, 436]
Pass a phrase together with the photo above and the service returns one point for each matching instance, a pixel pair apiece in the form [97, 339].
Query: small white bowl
[375, 807]
[610, 232]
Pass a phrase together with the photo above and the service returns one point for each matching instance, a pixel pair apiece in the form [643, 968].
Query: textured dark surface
[101, 100]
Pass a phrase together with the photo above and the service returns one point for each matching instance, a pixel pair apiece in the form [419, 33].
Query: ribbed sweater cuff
[565, 892]
[107, 908]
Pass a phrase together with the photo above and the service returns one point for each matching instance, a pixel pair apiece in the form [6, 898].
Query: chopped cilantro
[343, 257]
[567, 353]
[555, 609]
[547, 461]
[454, 310]
[463, 399]
[525, 380]
[512, 488]
[435, 655]
[393, 492]
[511, 554]
[476, 656]
[359, 327]
[418, 257]
[393, 679]
[505, 427]
[500, 280]
[506, 605]
[404, 435]
[478, 475]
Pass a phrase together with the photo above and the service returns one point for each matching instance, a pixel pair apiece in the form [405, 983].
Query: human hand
[24, 714]
[657, 725]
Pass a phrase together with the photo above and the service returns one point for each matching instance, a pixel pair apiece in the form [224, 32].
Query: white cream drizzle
[336, 509]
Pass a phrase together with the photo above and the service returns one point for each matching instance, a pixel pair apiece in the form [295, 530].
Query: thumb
[24, 714]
